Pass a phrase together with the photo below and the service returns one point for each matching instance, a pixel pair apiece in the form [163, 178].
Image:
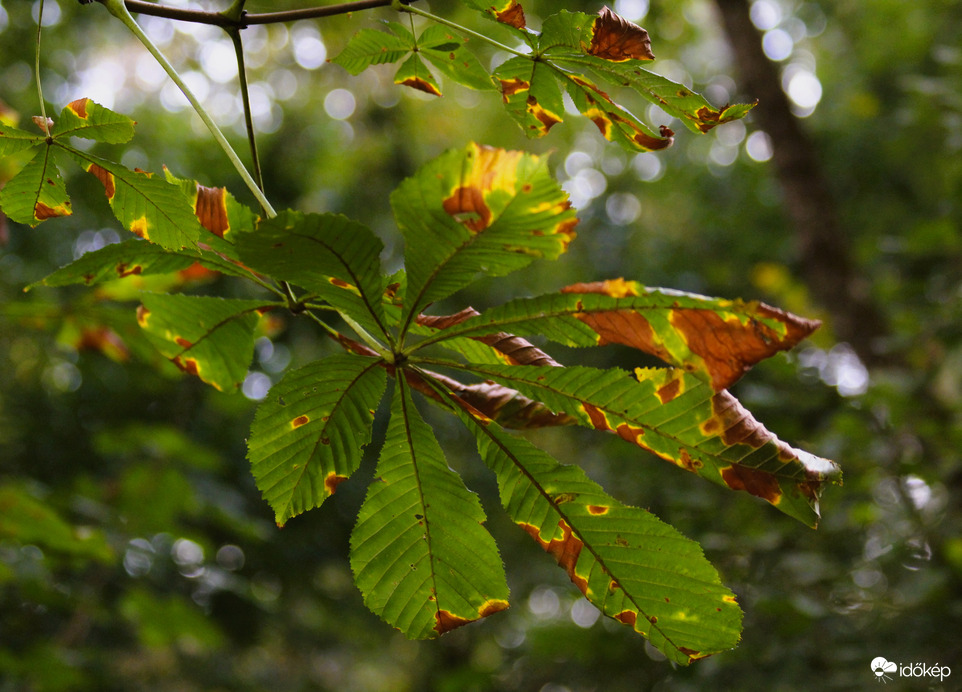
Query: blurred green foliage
[135, 552]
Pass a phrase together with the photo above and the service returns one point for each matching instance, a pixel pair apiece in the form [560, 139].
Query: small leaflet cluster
[569, 55]
[421, 555]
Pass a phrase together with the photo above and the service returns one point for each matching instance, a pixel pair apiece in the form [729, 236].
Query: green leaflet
[437, 44]
[627, 562]
[531, 94]
[147, 206]
[369, 47]
[478, 209]
[446, 51]
[415, 74]
[135, 257]
[13, 140]
[420, 553]
[37, 192]
[87, 119]
[681, 419]
[328, 254]
[715, 338]
[308, 434]
[212, 338]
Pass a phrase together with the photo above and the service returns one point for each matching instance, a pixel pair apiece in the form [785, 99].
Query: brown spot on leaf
[686, 462]
[669, 391]
[421, 85]
[626, 617]
[124, 270]
[41, 211]
[512, 15]
[596, 416]
[630, 434]
[79, 107]
[734, 423]
[546, 118]
[211, 209]
[142, 316]
[758, 483]
[182, 342]
[617, 39]
[105, 177]
[512, 86]
[299, 421]
[730, 346]
[565, 551]
[188, 365]
[445, 621]
[597, 510]
[467, 205]
[339, 283]
[332, 481]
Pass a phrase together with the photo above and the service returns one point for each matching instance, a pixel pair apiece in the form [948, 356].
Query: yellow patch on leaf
[139, 227]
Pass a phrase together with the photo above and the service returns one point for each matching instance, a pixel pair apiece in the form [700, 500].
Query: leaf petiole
[119, 10]
[402, 7]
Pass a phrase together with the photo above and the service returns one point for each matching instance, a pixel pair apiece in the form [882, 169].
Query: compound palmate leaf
[678, 417]
[328, 254]
[420, 553]
[307, 436]
[477, 209]
[212, 338]
[627, 562]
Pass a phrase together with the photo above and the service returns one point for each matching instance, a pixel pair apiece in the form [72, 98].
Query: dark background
[135, 552]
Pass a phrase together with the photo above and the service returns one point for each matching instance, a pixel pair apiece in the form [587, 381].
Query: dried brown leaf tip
[617, 39]
[511, 14]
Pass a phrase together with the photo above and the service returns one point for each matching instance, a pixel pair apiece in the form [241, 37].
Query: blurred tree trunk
[826, 264]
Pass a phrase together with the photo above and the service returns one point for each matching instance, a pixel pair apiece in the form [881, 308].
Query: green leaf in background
[420, 553]
[308, 434]
[212, 338]
[147, 206]
[27, 520]
[328, 254]
[678, 417]
[473, 210]
[37, 192]
[628, 563]
[87, 119]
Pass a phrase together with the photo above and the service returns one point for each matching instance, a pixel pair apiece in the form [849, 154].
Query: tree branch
[826, 264]
[245, 20]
